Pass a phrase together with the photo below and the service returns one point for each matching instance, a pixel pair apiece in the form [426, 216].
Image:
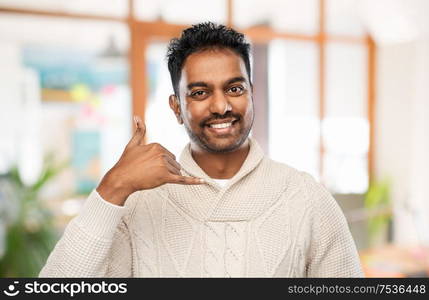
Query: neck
[220, 165]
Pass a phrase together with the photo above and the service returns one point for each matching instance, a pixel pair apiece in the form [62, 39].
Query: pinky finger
[178, 179]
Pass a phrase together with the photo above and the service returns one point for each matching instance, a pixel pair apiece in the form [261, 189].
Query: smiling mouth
[222, 129]
[225, 124]
[221, 125]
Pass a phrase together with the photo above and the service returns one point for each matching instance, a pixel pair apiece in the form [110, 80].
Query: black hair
[200, 37]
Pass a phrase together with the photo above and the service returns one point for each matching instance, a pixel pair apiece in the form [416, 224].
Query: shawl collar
[253, 158]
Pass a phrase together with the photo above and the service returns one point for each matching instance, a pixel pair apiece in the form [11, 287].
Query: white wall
[10, 103]
[19, 115]
[419, 185]
[402, 134]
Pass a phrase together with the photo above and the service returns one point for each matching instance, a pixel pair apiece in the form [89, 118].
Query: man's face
[216, 103]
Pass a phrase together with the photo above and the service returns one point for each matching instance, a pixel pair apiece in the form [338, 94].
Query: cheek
[195, 112]
[245, 107]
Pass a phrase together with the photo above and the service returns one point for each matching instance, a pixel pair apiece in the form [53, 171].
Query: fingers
[168, 153]
[172, 166]
[139, 133]
[173, 163]
[178, 179]
[139, 124]
[172, 169]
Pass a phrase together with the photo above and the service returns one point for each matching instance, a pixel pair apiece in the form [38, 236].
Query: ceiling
[387, 21]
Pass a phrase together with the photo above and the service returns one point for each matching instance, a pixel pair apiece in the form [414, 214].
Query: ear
[175, 107]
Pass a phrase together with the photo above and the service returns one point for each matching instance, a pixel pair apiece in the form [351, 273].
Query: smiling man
[223, 210]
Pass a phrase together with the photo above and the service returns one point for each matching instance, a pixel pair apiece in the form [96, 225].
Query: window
[294, 104]
[315, 103]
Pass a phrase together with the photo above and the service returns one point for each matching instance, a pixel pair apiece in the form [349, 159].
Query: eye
[236, 90]
[200, 94]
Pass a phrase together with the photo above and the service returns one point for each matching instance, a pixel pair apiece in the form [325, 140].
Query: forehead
[212, 66]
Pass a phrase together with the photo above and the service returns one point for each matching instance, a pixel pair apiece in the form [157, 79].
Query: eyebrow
[235, 79]
[203, 84]
[197, 83]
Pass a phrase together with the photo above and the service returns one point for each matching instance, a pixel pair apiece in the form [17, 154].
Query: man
[223, 210]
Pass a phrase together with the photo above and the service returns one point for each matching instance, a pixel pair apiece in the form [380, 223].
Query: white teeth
[222, 125]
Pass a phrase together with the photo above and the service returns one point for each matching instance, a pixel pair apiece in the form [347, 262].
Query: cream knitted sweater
[270, 220]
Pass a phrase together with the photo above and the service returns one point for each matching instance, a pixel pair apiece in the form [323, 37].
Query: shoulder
[133, 204]
[275, 169]
[324, 209]
[297, 182]
[311, 201]
[294, 178]
[142, 203]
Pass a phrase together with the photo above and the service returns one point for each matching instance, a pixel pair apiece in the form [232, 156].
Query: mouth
[222, 127]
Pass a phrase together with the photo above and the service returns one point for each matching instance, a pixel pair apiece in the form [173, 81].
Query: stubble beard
[203, 141]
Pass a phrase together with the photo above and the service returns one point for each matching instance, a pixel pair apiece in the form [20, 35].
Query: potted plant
[28, 232]
[378, 206]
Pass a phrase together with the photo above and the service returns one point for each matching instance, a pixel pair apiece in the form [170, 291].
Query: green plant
[378, 207]
[30, 235]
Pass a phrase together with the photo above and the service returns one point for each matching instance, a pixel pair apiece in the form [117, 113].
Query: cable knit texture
[270, 220]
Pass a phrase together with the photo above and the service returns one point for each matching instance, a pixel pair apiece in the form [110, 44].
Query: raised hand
[141, 167]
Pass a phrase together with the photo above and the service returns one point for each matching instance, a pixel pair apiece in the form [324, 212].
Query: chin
[229, 145]
[219, 144]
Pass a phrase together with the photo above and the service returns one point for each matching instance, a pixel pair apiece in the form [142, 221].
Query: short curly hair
[200, 37]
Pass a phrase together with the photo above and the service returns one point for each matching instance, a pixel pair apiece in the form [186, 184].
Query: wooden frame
[142, 32]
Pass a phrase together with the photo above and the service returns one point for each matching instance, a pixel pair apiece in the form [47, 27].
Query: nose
[219, 104]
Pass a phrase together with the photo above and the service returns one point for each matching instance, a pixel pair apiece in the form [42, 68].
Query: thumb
[140, 132]
[139, 124]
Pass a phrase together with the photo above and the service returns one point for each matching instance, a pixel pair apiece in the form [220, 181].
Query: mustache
[217, 116]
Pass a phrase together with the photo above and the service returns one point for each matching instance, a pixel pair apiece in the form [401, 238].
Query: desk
[396, 261]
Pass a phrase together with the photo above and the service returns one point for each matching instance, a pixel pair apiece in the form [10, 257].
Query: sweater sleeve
[333, 251]
[96, 243]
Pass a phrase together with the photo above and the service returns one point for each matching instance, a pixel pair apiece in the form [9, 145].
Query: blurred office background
[341, 91]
